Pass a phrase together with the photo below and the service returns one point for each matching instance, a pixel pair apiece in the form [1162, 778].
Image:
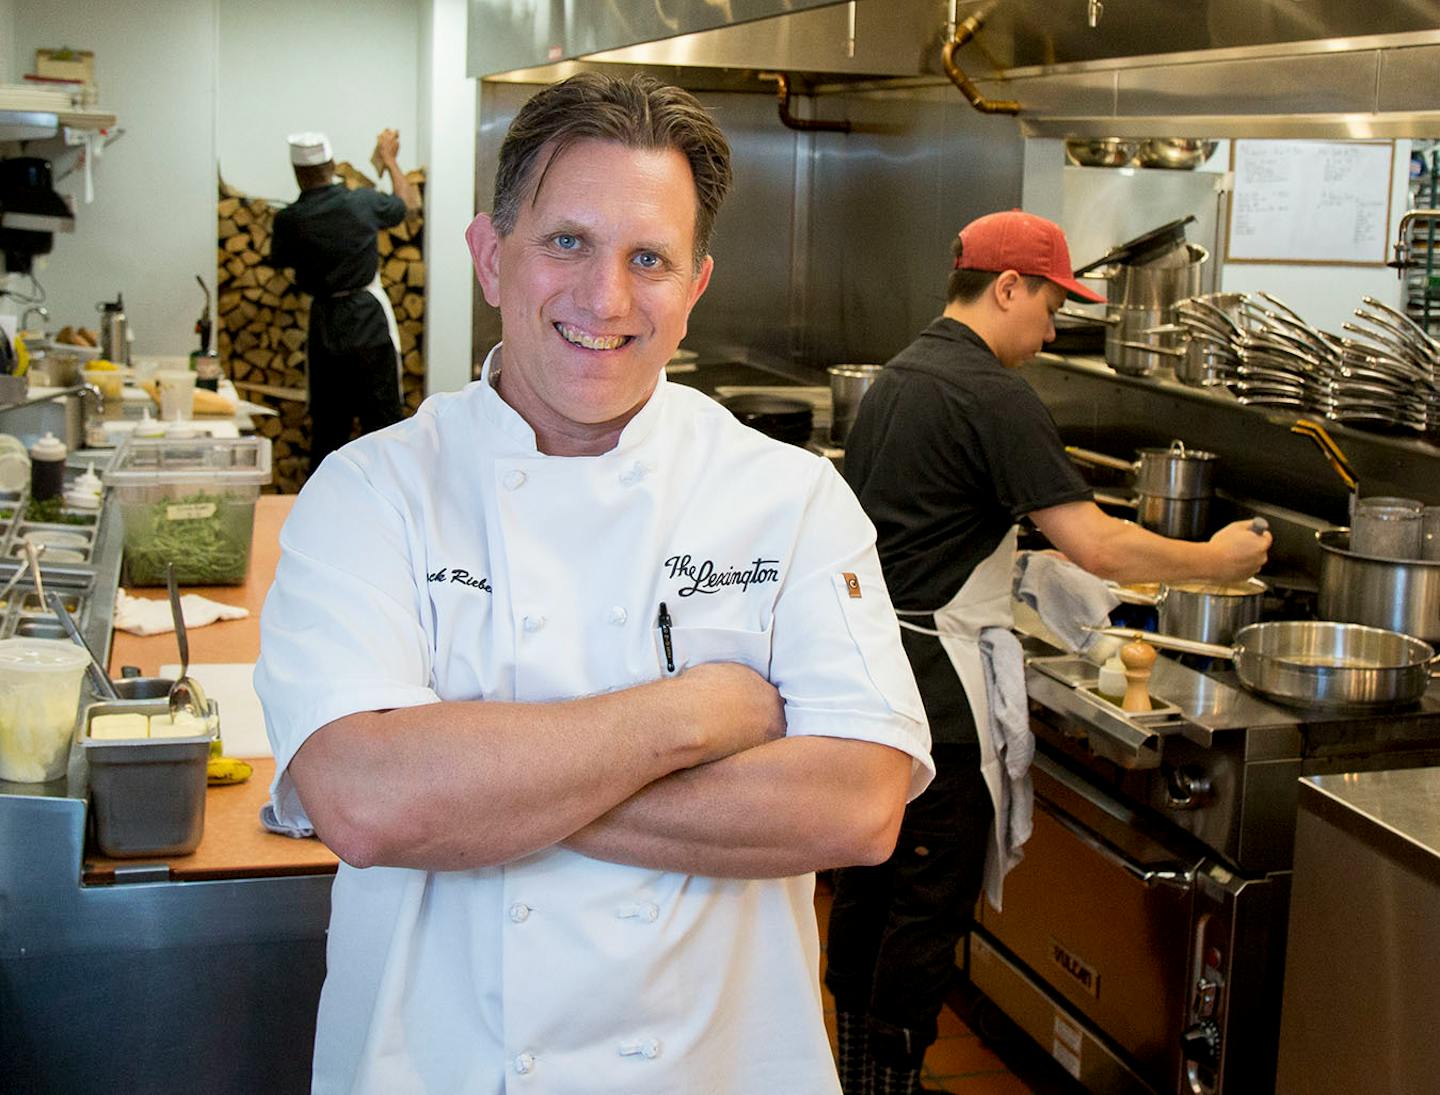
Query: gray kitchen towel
[1009, 729]
[1066, 598]
[271, 822]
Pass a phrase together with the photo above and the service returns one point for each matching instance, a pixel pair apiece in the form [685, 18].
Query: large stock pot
[1401, 595]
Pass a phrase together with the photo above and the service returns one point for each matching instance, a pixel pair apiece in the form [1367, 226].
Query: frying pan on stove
[1309, 663]
[775, 416]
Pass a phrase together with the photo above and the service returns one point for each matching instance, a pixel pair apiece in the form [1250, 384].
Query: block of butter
[119, 727]
[183, 724]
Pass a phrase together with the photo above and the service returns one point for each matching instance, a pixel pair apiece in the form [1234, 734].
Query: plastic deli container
[191, 502]
[147, 794]
[39, 697]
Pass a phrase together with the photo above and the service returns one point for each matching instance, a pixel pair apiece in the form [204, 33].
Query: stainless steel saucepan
[1210, 612]
[1318, 664]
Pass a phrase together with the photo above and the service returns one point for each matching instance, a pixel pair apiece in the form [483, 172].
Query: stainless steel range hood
[1206, 68]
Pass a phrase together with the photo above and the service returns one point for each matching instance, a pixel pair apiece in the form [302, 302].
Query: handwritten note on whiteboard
[1311, 201]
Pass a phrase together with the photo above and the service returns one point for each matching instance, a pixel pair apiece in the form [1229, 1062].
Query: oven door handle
[1180, 879]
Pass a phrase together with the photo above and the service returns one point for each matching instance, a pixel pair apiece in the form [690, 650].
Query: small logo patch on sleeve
[852, 584]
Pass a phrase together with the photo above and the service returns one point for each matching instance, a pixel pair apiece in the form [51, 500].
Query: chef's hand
[387, 148]
[732, 706]
[1240, 551]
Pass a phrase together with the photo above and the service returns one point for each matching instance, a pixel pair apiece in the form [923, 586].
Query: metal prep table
[1362, 981]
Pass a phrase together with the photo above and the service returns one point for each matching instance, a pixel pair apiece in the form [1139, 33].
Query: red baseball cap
[1024, 243]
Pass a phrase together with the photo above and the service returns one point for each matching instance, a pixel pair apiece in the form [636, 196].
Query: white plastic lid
[41, 655]
[147, 426]
[14, 471]
[48, 447]
[89, 481]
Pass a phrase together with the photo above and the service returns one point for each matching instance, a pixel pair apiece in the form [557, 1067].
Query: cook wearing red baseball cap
[950, 450]
[1024, 243]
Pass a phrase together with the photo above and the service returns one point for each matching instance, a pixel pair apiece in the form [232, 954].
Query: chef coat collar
[507, 419]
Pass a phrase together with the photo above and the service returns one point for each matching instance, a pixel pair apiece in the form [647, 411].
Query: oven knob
[1201, 1043]
[1188, 788]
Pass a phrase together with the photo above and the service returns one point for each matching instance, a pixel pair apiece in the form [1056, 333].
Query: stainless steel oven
[1142, 938]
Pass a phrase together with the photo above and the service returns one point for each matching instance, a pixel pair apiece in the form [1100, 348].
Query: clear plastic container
[190, 502]
[39, 698]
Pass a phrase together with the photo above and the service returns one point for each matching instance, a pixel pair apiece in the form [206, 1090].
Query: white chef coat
[445, 558]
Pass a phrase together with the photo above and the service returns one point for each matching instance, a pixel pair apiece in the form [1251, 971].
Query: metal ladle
[185, 693]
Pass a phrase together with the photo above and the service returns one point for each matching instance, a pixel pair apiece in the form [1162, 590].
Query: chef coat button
[635, 473]
[650, 1049]
[534, 623]
[618, 615]
[651, 912]
[514, 480]
[525, 1063]
[519, 912]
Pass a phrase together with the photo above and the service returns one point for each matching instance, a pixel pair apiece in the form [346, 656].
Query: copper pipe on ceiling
[964, 32]
[807, 125]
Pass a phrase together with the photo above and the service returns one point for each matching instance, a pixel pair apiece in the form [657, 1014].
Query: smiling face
[595, 285]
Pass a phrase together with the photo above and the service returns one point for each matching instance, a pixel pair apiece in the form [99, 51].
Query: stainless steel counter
[1362, 978]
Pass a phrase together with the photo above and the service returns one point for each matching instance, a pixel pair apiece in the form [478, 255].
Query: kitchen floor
[960, 1062]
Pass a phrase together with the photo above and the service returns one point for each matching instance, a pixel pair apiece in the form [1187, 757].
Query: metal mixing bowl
[1100, 151]
[1178, 153]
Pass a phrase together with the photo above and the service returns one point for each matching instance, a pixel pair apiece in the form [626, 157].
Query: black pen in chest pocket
[663, 622]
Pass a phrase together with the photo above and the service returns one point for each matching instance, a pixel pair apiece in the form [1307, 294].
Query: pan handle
[1168, 642]
[1127, 596]
[1100, 459]
[1146, 348]
[1075, 313]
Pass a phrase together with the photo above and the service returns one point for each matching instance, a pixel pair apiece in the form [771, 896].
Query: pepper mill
[1139, 659]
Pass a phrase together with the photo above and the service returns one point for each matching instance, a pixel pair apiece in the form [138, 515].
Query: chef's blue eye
[649, 260]
[566, 242]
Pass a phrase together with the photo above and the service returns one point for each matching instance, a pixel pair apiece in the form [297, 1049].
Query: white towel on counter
[145, 616]
[1009, 729]
[1067, 599]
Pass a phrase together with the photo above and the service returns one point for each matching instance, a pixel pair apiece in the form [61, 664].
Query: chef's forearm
[400, 183]
[791, 806]
[458, 785]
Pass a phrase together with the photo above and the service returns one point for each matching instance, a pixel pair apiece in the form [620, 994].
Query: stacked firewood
[262, 319]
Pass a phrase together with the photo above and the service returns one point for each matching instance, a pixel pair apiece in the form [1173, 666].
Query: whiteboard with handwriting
[1311, 201]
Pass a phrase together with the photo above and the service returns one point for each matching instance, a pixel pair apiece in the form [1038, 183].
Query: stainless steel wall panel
[748, 302]
[1283, 85]
[886, 202]
[1409, 79]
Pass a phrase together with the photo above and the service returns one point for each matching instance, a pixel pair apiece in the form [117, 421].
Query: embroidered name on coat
[456, 576]
[704, 576]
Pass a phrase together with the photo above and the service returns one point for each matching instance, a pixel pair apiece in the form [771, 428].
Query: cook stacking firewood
[328, 237]
[950, 449]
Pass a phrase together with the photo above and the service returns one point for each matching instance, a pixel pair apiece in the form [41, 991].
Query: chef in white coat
[580, 678]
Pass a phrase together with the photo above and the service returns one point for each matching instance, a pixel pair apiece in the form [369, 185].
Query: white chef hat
[309, 149]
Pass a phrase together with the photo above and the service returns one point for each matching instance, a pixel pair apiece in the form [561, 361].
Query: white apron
[983, 601]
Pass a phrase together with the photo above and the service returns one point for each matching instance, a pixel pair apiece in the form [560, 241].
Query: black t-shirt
[948, 450]
[328, 237]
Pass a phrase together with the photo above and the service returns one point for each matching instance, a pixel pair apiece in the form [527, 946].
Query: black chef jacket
[948, 451]
[328, 237]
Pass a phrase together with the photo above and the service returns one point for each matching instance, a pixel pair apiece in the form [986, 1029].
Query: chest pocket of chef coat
[697, 645]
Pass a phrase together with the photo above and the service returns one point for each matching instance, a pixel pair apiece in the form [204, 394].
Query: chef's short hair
[967, 286]
[309, 176]
[636, 111]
